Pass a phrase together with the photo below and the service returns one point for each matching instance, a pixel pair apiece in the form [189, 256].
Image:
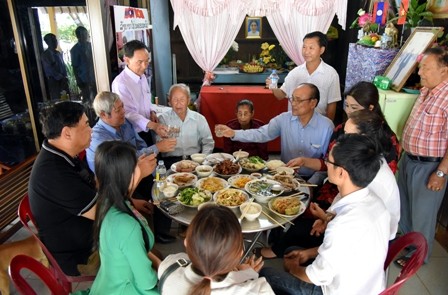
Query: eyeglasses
[330, 162]
[298, 101]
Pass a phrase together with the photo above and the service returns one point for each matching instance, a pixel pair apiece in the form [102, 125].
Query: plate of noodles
[212, 184]
[239, 181]
[230, 197]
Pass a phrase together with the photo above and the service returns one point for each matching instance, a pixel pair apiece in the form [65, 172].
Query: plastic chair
[20, 262]
[26, 215]
[415, 239]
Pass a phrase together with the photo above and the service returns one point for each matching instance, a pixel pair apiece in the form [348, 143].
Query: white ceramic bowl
[198, 158]
[240, 154]
[204, 170]
[287, 170]
[253, 211]
[170, 190]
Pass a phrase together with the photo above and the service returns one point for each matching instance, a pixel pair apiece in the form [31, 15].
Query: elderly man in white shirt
[361, 225]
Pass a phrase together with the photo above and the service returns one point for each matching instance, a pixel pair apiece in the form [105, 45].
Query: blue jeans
[284, 283]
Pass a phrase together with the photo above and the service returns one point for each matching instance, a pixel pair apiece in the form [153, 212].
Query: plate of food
[193, 197]
[227, 168]
[287, 206]
[182, 179]
[212, 184]
[184, 166]
[287, 181]
[215, 158]
[239, 181]
[274, 164]
[264, 189]
[252, 164]
[230, 197]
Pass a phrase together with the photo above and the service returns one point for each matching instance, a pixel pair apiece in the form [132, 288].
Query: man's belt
[424, 159]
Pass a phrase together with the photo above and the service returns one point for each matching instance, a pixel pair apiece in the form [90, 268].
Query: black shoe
[165, 238]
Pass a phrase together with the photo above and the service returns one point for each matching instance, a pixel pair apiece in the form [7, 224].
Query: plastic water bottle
[274, 79]
[161, 171]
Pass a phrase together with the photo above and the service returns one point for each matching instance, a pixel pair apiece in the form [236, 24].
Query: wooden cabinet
[396, 107]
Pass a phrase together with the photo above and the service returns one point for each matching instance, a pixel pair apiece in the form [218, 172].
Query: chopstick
[275, 170]
[307, 184]
[296, 194]
[246, 209]
[273, 219]
[287, 220]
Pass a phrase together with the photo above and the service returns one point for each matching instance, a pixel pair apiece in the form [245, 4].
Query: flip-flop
[401, 261]
[257, 252]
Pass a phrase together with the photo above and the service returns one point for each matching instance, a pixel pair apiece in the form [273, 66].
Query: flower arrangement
[265, 55]
[364, 21]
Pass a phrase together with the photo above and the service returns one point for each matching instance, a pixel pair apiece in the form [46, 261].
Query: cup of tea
[218, 131]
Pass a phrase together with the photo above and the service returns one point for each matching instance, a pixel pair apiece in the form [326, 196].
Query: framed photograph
[253, 27]
[438, 8]
[405, 61]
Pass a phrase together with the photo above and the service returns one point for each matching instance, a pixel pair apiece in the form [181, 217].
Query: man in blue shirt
[113, 125]
[54, 68]
[304, 132]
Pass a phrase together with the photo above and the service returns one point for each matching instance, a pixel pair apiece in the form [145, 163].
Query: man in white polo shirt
[314, 71]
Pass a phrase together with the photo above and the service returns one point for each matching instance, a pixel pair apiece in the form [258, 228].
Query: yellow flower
[265, 45]
[271, 47]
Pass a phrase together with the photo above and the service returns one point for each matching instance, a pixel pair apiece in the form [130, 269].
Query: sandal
[401, 261]
[257, 252]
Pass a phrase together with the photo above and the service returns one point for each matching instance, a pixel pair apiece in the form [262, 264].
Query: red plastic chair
[20, 262]
[26, 215]
[415, 239]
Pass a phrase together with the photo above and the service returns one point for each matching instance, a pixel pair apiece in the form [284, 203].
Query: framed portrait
[438, 8]
[253, 27]
[405, 61]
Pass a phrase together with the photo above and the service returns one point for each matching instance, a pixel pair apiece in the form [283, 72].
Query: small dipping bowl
[252, 212]
[198, 158]
[204, 170]
[170, 190]
[256, 175]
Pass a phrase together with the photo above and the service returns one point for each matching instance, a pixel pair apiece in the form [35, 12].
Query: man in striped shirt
[424, 164]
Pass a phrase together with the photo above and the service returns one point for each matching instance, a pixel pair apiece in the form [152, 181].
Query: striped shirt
[426, 131]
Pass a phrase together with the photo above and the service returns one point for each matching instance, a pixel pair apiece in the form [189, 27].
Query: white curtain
[294, 19]
[208, 28]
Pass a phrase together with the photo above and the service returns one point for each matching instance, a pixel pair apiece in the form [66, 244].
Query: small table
[257, 226]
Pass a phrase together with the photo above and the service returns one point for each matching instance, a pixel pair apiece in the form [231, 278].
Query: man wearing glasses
[360, 225]
[304, 132]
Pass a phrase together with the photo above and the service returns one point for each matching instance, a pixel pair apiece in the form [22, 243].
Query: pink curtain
[208, 28]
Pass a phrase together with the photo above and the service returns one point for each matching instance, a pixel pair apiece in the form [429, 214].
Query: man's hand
[252, 262]
[143, 206]
[147, 164]
[435, 183]
[153, 117]
[166, 145]
[318, 228]
[161, 130]
[317, 211]
[223, 130]
[296, 162]
[295, 258]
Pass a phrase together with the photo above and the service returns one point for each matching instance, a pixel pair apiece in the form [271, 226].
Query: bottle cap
[161, 162]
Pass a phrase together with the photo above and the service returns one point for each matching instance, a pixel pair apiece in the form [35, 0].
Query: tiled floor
[431, 279]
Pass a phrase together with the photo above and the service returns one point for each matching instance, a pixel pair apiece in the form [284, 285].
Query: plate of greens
[193, 197]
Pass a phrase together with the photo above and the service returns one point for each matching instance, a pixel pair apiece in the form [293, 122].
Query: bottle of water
[274, 79]
[161, 171]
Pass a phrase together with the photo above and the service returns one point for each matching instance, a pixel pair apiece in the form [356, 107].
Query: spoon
[237, 156]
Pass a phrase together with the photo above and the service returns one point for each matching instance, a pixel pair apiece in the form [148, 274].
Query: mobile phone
[170, 207]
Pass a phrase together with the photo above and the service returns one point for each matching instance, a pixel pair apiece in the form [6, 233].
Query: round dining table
[267, 220]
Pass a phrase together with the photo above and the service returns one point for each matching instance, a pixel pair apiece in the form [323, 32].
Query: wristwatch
[440, 173]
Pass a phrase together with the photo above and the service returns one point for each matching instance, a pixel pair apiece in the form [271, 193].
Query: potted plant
[417, 14]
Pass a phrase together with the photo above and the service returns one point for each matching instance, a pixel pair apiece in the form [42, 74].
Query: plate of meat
[184, 166]
[227, 168]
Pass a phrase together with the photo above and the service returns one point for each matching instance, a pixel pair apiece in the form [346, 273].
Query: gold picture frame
[253, 27]
[405, 61]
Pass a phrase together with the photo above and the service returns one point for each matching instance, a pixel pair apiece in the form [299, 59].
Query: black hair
[130, 47]
[371, 124]
[321, 38]
[358, 155]
[366, 94]
[440, 53]
[245, 102]
[79, 30]
[48, 38]
[58, 116]
[115, 162]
